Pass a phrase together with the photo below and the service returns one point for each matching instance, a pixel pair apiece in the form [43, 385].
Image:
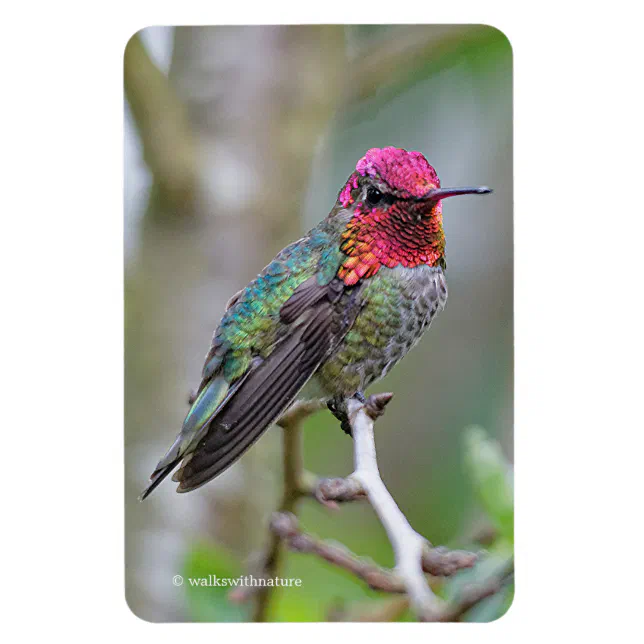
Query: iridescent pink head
[408, 174]
[395, 200]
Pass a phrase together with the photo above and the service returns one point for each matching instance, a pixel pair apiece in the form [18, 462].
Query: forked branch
[414, 555]
[408, 545]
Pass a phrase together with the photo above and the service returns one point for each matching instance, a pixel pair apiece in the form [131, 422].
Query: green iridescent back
[252, 325]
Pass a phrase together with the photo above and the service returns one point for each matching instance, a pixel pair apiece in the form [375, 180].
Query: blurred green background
[237, 140]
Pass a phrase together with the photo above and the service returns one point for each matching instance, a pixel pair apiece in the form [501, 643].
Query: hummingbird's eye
[374, 196]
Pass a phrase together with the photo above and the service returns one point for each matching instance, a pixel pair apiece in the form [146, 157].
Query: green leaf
[491, 476]
[210, 603]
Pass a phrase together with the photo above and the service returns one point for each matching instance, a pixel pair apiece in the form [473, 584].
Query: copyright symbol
[177, 580]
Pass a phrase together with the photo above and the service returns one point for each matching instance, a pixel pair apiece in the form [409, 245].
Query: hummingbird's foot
[338, 407]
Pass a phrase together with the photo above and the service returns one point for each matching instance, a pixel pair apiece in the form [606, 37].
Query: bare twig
[300, 410]
[474, 594]
[393, 608]
[329, 492]
[285, 526]
[436, 561]
[415, 557]
[296, 485]
[408, 545]
[443, 562]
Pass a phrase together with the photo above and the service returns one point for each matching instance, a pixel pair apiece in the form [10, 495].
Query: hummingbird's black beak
[443, 193]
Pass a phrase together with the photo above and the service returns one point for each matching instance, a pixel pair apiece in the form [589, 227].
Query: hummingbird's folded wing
[272, 338]
[315, 325]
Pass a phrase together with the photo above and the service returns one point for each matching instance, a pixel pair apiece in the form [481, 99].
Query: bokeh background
[237, 140]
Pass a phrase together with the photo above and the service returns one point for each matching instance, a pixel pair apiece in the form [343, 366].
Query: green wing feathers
[202, 410]
[262, 354]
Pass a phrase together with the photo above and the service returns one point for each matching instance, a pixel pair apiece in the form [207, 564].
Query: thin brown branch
[415, 557]
[300, 411]
[476, 593]
[329, 492]
[441, 562]
[393, 608]
[296, 485]
[436, 561]
[285, 526]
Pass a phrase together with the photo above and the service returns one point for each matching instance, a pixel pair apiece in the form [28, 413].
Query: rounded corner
[138, 32]
[502, 34]
[498, 618]
[130, 607]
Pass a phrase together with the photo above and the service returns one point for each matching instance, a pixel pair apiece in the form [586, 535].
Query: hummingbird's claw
[338, 407]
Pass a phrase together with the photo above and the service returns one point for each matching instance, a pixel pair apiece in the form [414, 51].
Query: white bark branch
[414, 556]
[408, 545]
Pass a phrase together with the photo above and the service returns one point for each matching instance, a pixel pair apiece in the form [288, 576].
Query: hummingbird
[340, 306]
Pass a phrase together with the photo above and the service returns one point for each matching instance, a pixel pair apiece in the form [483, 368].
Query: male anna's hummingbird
[342, 305]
